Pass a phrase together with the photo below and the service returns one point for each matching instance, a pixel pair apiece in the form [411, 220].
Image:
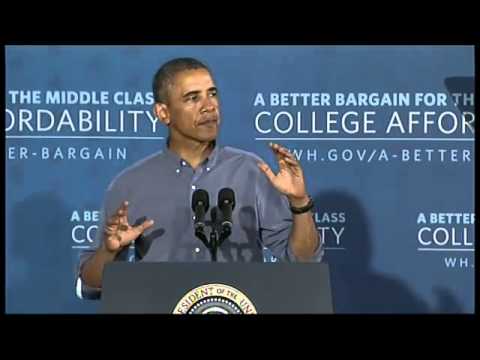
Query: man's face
[193, 107]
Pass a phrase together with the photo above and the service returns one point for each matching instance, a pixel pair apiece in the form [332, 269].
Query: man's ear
[162, 113]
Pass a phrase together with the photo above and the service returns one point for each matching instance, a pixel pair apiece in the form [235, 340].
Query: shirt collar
[210, 161]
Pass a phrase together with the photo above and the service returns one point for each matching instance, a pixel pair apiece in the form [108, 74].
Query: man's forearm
[92, 270]
[304, 237]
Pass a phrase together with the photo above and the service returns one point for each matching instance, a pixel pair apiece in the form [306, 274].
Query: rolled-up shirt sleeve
[275, 222]
[82, 290]
[317, 256]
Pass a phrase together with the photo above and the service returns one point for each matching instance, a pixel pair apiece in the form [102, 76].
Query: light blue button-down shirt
[160, 187]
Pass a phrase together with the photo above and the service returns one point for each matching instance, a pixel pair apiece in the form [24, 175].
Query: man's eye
[193, 97]
[213, 94]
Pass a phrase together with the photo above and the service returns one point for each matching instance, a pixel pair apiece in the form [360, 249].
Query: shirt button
[177, 171]
[197, 250]
[193, 187]
[208, 169]
[193, 217]
[184, 163]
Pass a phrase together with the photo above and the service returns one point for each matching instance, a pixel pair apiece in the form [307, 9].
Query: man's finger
[143, 226]
[267, 171]
[280, 149]
[122, 209]
[125, 213]
[293, 166]
[274, 148]
[114, 238]
[291, 161]
[113, 221]
[288, 154]
[112, 244]
[281, 153]
[283, 165]
[122, 227]
[109, 230]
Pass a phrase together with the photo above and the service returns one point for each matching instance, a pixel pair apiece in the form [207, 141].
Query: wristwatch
[304, 209]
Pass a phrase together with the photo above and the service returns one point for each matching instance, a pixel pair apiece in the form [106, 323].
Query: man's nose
[208, 105]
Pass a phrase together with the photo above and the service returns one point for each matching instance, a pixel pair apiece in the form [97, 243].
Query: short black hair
[167, 72]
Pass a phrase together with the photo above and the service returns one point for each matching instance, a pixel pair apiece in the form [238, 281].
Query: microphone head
[226, 196]
[200, 197]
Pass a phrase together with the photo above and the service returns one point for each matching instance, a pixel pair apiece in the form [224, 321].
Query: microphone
[226, 204]
[200, 205]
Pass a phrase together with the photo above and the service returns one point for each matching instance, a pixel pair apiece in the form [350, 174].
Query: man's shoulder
[137, 170]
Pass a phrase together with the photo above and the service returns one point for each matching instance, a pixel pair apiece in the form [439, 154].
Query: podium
[216, 288]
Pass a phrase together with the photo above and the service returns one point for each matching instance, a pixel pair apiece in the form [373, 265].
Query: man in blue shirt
[149, 203]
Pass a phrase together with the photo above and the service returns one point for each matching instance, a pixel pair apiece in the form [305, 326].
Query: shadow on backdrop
[462, 85]
[356, 287]
[40, 263]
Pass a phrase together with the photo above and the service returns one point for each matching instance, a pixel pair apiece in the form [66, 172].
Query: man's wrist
[299, 202]
[305, 207]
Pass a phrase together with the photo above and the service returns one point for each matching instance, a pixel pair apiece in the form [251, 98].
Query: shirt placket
[200, 253]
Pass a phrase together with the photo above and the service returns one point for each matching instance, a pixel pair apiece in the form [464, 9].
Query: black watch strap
[304, 209]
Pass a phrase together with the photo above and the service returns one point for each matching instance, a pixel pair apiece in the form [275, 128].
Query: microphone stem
[213, 244]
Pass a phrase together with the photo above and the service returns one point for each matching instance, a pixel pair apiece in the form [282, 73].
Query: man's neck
[192, 152]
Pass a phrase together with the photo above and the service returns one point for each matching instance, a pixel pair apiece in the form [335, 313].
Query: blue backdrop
[385, 135]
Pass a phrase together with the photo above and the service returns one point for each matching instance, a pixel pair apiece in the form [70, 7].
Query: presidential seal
[215, 299]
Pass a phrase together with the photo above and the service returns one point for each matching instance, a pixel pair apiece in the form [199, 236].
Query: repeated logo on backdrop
[448, 236]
